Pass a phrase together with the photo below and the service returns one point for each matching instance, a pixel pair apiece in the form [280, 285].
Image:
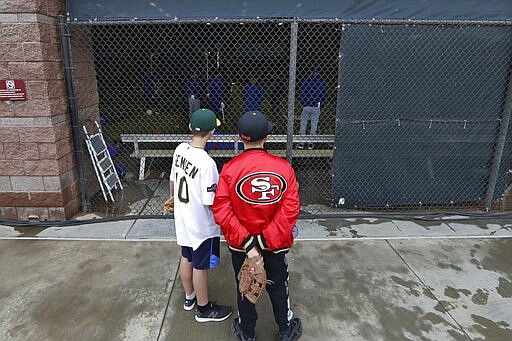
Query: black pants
[276, 266]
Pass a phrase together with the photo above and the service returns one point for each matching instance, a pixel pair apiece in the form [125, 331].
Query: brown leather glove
[252, 278]
[169, 205]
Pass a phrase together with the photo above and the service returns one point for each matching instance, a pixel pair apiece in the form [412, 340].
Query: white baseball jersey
[195, 178]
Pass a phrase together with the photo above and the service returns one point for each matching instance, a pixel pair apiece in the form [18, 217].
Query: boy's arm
[235, 233]
[285, 218]
[209, 180]
[169, 204]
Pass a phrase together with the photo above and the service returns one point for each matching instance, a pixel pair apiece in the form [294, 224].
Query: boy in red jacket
[257, 205]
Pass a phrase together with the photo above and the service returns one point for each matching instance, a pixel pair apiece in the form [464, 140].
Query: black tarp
[305, 9]
[419, 110]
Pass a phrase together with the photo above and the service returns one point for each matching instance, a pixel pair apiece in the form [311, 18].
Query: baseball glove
[169, 205]
[252, 278]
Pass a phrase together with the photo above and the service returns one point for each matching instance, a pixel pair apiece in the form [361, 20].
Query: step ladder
[102, 162]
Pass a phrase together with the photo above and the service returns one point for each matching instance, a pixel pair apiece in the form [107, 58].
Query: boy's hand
[253, 253]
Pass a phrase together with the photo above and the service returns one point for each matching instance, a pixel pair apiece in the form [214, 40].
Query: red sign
[12, 90]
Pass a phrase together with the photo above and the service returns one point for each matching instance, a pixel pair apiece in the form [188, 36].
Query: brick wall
[37, 167]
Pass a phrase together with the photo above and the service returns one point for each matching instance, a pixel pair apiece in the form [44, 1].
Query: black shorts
[206, 256]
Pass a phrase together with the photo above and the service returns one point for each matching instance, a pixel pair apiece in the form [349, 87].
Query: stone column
[37, 166]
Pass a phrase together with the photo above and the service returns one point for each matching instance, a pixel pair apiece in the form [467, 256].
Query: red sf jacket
[257, 201]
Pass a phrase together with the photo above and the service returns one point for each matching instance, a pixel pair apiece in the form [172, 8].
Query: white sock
[191, 296]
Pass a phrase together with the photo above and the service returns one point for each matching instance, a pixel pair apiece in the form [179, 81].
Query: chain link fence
[399, 115]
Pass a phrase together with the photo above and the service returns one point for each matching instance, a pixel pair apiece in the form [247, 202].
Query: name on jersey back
[188, 168]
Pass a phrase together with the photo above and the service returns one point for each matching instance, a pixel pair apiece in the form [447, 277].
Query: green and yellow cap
[203, 120]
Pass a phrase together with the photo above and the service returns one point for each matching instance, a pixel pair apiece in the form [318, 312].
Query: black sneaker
[293, 333]
[310, 146]
[300, 146]
[215, 313]
[236, 328]
[189, 304]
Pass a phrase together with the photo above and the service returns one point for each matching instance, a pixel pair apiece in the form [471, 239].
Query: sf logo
[263, 186]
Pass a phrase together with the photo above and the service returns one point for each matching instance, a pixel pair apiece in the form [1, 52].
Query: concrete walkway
[350, 279]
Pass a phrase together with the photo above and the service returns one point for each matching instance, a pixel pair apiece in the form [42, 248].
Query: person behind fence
[279, 86]
[193, 181]
[149, 92]
[215, 91]
[253, 95]
[257, 206]
[313, 95]
[194, 92]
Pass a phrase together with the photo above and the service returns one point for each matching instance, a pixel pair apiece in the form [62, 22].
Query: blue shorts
[207, 255]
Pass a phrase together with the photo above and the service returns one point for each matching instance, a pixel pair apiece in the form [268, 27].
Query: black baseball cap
[254, 126]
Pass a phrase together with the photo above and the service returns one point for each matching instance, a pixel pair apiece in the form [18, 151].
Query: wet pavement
[350, 279]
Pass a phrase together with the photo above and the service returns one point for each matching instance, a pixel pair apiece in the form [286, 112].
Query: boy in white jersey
[193, 181]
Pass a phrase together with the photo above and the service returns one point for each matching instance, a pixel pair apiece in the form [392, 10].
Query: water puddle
[29, 231]
[131, 200]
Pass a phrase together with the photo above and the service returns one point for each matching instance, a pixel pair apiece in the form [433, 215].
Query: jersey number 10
[183, 190]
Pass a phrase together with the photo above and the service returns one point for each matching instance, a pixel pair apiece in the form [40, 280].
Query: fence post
[73, 114]
[500, 144]
[291, 89]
